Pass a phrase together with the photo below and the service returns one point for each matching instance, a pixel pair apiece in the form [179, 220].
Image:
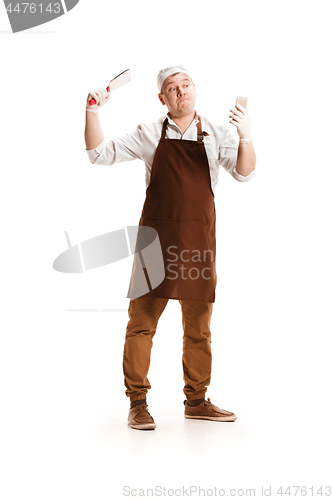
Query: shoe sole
[142, 427]
[216, 419]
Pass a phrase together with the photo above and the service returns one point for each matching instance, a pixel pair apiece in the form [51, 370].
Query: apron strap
[165, 123]
[200, 134]
[199, 129]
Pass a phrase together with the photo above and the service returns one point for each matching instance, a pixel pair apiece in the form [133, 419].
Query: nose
[180, 91]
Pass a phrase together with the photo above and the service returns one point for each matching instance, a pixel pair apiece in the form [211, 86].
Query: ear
[161, 99]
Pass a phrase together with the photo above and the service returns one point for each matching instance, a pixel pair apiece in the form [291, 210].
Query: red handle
[92, 101]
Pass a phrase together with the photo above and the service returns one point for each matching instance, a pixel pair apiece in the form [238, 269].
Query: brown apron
[180, 206]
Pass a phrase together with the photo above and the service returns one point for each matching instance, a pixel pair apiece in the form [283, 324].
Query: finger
[98, 96]
[235, 117]
[233, 122]
[237, 112]
[239, 106]
[92, 95]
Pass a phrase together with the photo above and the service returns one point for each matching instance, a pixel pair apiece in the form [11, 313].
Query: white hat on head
[164, 73]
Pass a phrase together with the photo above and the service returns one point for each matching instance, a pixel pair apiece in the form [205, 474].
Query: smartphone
[242, 101]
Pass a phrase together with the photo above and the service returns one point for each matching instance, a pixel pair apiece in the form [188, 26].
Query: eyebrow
[184, 80]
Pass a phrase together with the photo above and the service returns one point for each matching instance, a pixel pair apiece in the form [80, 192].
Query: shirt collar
[171, 122]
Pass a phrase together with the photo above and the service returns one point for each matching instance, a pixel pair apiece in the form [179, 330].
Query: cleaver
[116, 82]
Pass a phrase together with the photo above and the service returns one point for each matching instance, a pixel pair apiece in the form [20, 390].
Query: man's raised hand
[101, 97]
[241, 119]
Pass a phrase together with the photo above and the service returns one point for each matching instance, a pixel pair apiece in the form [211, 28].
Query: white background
[63, 408]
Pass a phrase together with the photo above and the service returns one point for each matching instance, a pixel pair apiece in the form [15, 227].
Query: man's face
[178, 93]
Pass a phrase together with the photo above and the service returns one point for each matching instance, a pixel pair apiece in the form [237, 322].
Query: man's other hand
[241, 119]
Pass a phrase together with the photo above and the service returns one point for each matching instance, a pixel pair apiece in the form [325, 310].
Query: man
[182, 153]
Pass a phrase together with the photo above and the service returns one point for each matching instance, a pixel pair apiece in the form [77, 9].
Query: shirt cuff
[93, 154]
[243, 178]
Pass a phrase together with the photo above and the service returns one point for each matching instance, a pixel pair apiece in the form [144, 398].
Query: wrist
[245, 140]
[91, 112]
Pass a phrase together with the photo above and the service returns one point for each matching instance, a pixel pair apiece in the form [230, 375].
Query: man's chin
[185, 107]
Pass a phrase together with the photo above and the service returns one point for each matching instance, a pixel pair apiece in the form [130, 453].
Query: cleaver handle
[92, 101]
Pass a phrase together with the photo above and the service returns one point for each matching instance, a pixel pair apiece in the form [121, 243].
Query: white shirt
[221, 147]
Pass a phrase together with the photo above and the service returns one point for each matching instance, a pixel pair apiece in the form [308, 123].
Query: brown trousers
[144, 314]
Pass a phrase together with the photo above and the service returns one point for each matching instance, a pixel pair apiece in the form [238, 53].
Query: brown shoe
[207, 411]
[140, 418]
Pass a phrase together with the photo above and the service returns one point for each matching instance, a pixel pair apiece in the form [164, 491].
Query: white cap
[164, 73]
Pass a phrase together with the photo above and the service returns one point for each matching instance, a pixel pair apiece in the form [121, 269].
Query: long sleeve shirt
[221, 147]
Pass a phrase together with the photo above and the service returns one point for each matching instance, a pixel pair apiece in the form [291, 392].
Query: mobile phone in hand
[242, 101]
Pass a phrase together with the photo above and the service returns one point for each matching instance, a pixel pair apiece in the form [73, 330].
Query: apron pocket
[196, 240]
[167, 230]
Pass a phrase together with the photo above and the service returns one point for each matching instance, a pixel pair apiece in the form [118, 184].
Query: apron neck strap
[199, 130]
[200, 135]
[165, 123]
